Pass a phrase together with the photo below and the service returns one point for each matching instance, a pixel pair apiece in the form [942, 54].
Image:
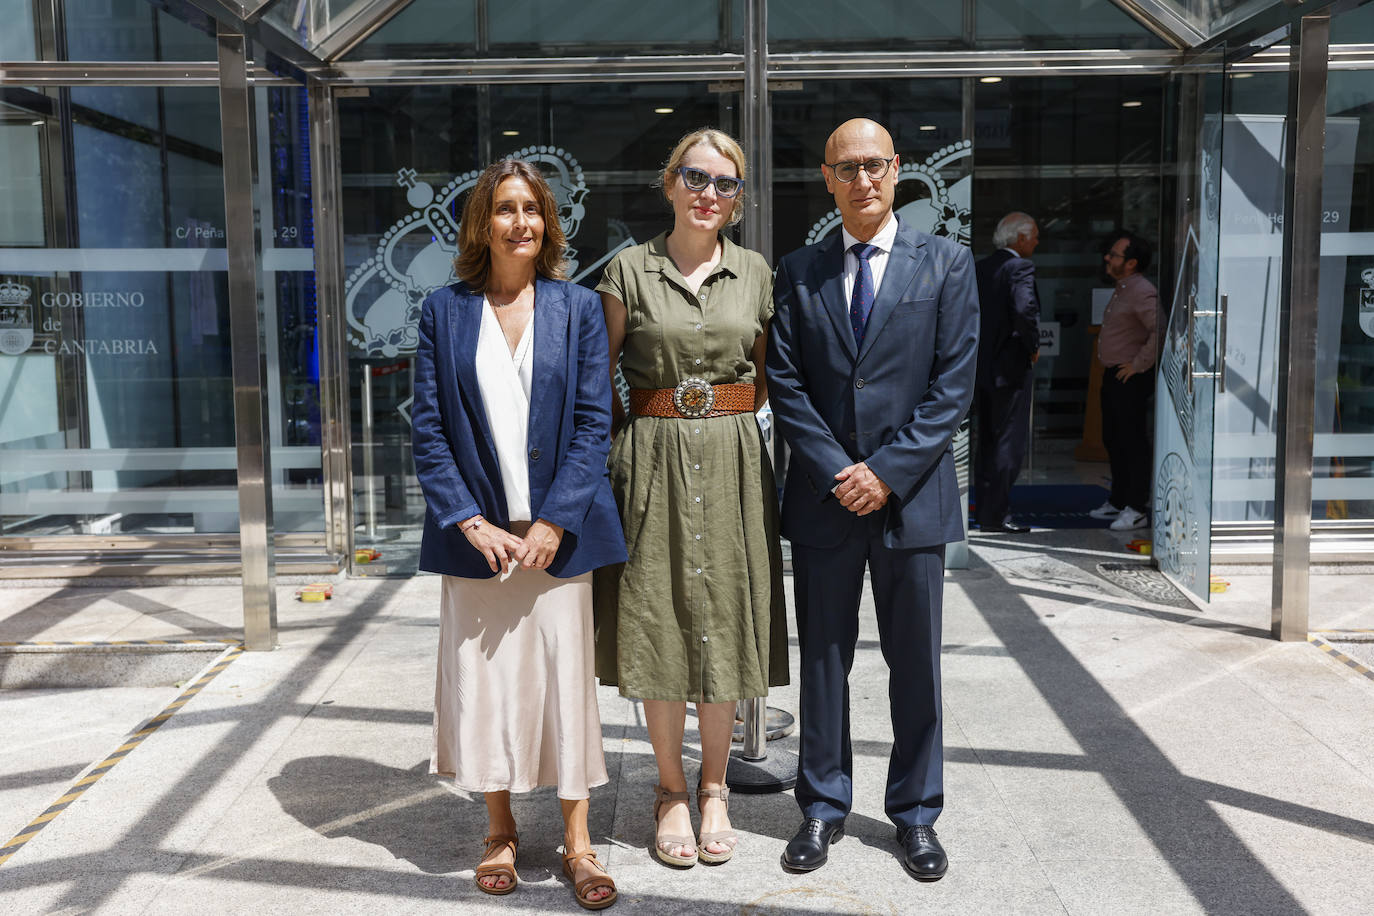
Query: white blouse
[504, 379]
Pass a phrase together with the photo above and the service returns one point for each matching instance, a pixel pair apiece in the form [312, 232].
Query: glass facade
[118, 408]
[116, 395]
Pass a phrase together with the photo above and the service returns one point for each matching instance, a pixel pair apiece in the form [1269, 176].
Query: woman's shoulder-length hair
[473, 264]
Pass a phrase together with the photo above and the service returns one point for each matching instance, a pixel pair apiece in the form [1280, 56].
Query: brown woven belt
[692, 399]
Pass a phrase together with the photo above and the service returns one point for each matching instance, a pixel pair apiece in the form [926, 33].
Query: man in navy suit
[1008, 345]
[871, 361]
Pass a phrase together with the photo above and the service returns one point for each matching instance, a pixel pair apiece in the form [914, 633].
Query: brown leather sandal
[586, 885]
[498, 870]
[663, 842]
[726, 837]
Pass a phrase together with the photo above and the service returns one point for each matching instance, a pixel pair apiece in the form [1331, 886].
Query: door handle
[1220, 374]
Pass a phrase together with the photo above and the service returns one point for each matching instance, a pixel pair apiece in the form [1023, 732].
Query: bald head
[865, 202]
[858, 130]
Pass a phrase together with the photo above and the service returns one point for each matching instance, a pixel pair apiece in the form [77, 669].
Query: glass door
[1191, 363]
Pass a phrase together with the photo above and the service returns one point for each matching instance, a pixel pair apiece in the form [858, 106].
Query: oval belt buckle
[694, 398]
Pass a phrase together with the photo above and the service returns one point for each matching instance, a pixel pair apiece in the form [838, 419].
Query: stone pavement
[1109, 749]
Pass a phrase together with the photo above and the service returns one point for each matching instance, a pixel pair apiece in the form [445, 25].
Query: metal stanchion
[753, 769]
[371, 494]
[777, 723]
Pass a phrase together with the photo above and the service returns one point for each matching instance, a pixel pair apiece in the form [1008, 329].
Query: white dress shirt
[504, 380]
[877, 262]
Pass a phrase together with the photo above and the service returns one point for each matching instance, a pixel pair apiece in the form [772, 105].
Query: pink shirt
[1130, 325]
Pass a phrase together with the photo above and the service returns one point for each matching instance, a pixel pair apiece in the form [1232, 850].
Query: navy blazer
[895, 403]
[1010, 317]
[569, 431]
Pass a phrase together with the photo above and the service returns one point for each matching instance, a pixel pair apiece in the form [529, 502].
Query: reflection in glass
[889, 23]
[425, 29]
[643, 25]
[17, 38]
[130, 30]
[1343, 469]
[114, 347]
[1059, 24]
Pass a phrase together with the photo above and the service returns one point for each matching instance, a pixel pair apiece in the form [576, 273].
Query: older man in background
[1008, 346]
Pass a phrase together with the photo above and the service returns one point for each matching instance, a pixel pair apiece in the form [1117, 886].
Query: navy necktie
[861, 301]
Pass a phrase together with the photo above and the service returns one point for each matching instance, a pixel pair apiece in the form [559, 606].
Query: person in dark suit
[1008, 346]
[871, 359]
[511, 429]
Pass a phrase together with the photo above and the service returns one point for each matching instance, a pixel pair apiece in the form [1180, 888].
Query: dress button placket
[695, 563]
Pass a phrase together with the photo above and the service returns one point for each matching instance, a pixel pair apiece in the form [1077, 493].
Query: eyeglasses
[697, 180]
[1113, 254]
[874, 168]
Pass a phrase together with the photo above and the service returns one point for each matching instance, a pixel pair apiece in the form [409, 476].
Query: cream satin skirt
[515, 696]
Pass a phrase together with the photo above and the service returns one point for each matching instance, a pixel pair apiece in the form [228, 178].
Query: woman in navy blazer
[511, 424]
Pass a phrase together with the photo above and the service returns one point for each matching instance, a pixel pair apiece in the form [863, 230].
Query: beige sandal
[663, 842]
[498, 870]
[586, 885]
[726, 837]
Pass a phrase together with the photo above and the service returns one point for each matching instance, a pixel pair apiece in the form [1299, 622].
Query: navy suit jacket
[895, 403]
[1010, 316]
[569, 431]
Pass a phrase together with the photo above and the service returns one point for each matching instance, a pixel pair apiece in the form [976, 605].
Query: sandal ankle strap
[574, 857]
[664, 796]
[723, 793]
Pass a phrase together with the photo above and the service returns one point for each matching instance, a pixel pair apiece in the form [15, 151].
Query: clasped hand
[534, 551]
[860, 491]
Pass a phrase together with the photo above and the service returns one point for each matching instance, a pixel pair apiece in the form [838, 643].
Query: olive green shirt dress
[697, 613]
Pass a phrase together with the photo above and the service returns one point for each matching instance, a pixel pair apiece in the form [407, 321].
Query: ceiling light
[1241, 76]
[663, 111]
[929, 127]
[990, 79]
[510, 133]
[37, 123]
[1131, 104]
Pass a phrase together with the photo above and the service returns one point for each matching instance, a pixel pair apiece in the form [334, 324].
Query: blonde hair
[473, 264]
[719, 141]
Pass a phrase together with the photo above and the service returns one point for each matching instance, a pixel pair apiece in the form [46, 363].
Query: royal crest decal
[16, 318]
[384, 294]
[926, 200]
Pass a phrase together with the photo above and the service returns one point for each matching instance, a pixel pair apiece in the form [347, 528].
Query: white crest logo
[383, 295]
[1367, 302]
[16, 318]
[945, 210]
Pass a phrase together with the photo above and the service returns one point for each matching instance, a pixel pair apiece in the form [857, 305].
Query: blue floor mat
[1056, 505]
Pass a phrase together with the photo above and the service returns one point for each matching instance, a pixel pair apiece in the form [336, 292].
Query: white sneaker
[1105, 511]
[1130, 520]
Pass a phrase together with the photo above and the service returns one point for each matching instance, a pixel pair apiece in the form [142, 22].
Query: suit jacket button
[534, 454]
[853, 436]
[859, 383]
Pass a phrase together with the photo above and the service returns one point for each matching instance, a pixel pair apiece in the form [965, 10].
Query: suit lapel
[908, 253]
[550, 350]
[830, 276]
[465, 326]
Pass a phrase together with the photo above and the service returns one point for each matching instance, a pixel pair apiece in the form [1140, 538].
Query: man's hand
[1126, 371]
[860, 491]
[540, 544]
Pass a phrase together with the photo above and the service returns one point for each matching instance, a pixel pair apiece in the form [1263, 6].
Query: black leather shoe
[922, 855]
[809, 849]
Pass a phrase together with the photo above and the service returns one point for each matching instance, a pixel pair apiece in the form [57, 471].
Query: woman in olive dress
[696, 614]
